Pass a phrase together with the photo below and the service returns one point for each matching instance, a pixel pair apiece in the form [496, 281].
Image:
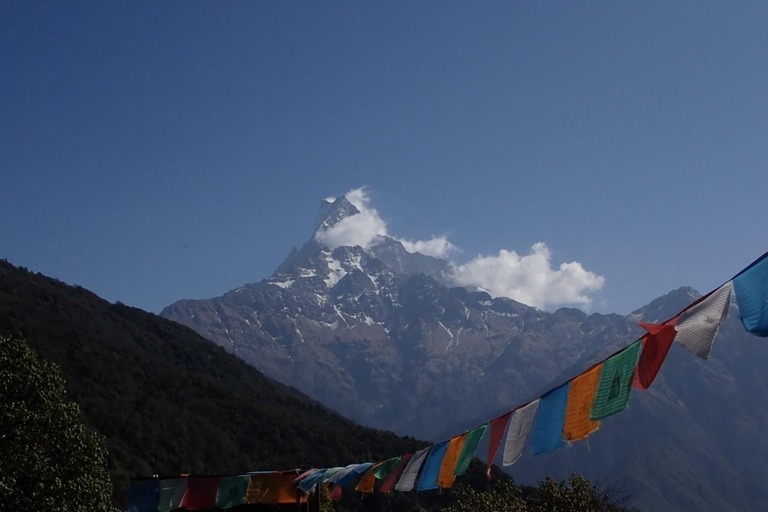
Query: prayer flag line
[568, 412]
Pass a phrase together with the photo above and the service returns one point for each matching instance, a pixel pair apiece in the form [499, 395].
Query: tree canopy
[49, 459]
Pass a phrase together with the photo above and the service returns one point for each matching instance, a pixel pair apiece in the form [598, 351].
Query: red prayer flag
[656, 344]
[304, 475]
[498, 427]
[201, 493]
[335, 493]
[389, 482]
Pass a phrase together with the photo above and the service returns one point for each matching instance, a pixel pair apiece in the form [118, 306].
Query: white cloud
[360, 229]
[437, 246]
[529, 279]
[364, 228]
[361, 199]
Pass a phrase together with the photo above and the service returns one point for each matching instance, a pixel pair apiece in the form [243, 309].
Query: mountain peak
[332, 212]
[665, 306]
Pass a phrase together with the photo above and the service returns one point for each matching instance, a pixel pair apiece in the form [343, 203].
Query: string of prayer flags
[232, 490]
[143, 496]
[517, 434]
[616, 379]
[447, 475]
[498, 427]
[656, 345]
[698, 325]
[408, 480]
[171, 493]
[550, 419]
[201, 493]
[581, 396]
[474, 437]
[751, 287]
[431, 470]
[389, 481]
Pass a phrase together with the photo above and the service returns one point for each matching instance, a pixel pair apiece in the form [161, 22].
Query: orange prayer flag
[581, 394]
[446, 477]
[369, 479]
[273, 488]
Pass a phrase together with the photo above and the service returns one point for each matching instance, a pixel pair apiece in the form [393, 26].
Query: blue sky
[153, 151]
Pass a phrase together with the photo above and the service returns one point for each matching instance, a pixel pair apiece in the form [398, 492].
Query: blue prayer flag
[431, 470]
[143, 496]
[751, 287]
[309, 482]
[550, 419]
[355, 474]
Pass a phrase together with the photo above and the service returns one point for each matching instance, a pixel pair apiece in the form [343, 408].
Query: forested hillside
[169, 401]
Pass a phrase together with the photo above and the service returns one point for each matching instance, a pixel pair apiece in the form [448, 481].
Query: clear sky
[153, 151]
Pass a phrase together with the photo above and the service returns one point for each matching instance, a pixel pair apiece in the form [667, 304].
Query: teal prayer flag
[474, 437]
[615, 382]
[232, 491]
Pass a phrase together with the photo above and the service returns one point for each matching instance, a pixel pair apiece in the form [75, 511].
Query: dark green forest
[49, 460]
[169, 401]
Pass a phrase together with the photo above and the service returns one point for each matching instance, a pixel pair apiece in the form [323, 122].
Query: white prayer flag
[517, 434]
[698, 326]
[408, 478]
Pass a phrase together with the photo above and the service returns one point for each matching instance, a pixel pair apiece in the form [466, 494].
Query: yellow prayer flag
[446, 477]
[369, 479]
[580, 397]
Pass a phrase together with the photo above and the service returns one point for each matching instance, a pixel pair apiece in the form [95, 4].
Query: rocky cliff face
[379, 335]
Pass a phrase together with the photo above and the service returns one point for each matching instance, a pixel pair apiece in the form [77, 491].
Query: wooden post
[316, 506]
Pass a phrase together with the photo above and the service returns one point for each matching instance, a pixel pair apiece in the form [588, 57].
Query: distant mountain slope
[395, 347]
[376, 334]
[169, 401]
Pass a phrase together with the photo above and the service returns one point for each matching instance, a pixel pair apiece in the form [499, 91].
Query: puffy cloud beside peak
[360, 229]
[437, 246]
[530, 279]
[365, 228]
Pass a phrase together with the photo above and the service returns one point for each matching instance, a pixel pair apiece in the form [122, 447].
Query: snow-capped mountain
[378, 334]
[367, 330]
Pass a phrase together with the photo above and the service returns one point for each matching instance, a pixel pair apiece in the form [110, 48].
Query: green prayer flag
[615, 382]
[232, 491]
[474, 437]
[386, 468]
[171, 493]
